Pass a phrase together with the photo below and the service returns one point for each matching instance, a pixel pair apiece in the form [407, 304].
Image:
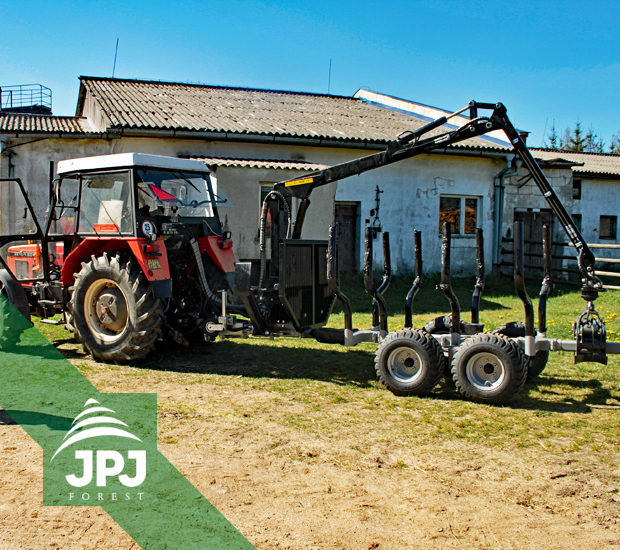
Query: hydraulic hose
[263, 226]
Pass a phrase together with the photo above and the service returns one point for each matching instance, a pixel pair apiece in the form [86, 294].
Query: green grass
[329, 390]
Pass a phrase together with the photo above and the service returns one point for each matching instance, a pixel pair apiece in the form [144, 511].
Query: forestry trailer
[132, 249]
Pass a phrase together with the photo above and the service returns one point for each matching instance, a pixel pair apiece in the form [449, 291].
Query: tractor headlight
[149, 230]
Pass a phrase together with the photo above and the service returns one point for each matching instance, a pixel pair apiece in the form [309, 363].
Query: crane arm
[413, 143]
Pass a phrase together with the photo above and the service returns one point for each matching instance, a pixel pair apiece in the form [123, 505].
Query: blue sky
[551, 61]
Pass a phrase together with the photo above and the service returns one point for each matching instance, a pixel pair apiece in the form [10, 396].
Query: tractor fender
[15, 293]
[220, 251]
[151, 257]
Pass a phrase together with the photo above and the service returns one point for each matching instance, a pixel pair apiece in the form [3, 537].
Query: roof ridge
[39, 115]
[591, 153]
[214, 86]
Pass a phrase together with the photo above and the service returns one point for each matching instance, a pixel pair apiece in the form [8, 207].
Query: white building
[253, 138]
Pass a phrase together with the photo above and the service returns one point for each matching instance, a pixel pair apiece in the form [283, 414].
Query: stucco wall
[410, 200]
[599, 197]
[241, 185]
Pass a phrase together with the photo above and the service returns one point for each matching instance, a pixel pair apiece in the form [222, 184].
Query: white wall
[410, 200]
[599, 197]
[241, 185]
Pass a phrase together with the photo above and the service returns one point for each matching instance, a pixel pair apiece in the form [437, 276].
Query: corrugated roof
[586, 163]
[259, 163]
[44, 124]
[139, 104]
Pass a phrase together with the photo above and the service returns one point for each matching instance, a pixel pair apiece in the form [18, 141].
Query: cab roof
[127, 160]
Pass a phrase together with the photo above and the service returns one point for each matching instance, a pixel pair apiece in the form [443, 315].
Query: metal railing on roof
[26, 98]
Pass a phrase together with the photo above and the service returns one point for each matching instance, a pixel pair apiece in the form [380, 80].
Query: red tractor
[132, 248]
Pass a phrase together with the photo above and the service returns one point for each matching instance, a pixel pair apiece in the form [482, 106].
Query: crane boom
[413, 143]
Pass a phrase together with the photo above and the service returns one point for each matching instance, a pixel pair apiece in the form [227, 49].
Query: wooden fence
[563, 262]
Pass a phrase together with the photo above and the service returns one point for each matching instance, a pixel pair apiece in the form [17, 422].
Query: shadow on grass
[11, 417]
[551, 386]
[353, 367]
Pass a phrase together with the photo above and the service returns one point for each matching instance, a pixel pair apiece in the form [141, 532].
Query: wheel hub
[112, 309]
[485, 371]
[105, 308]
[404, 364]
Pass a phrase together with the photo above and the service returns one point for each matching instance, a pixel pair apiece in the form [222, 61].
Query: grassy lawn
[568, 407]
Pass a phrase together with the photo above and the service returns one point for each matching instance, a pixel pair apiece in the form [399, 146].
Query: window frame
[577, 189]
[613, 226]
[462, 210]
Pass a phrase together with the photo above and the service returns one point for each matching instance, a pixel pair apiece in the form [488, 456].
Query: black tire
[14, 314]
[536, 364]
[440, 325]
[115, 315]
[409, 362]
[489, 368]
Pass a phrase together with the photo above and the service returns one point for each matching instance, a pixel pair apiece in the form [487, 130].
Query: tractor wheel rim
[105, 310]
[485, 371]
[404, 364]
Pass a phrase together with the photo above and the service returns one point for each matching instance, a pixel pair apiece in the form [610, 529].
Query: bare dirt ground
[294, 464]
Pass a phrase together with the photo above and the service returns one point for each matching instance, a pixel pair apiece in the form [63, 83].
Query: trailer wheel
[536, 364]
[489, 368]
[115, 314]
[409, 362]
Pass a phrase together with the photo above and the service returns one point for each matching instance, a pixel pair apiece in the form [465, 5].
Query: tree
[576, 140]
[615, 144]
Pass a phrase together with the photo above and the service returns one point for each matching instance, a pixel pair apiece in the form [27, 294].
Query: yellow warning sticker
[298, 182]
[154, 264]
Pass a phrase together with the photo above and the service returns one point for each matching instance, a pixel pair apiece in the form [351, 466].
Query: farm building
[252, 138]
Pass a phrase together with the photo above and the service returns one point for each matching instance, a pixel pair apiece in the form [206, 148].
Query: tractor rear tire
[115, 314]
[536, 364]
[489, 368]
[409, 362]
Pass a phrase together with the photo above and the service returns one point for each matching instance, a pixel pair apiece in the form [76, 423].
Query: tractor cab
[132, 194]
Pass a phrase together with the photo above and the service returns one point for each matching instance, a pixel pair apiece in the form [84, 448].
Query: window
[577, 220]
[461, 212]
[608, 227]
[576, 189]
[105, 204]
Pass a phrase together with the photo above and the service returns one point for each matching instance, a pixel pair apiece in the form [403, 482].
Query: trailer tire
[409, 362]
[536, 364]
[489, 368]
[114, 312]
[441, 325]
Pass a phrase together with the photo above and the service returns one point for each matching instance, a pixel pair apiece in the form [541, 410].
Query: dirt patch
[293, 464]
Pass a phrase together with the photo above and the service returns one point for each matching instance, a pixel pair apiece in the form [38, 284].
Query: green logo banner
[101, 449]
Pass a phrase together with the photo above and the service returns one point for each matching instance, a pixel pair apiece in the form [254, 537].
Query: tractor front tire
[115, 314]
[489, 368]
[409, 362]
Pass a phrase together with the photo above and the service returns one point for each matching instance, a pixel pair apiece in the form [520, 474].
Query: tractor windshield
[188, 194]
